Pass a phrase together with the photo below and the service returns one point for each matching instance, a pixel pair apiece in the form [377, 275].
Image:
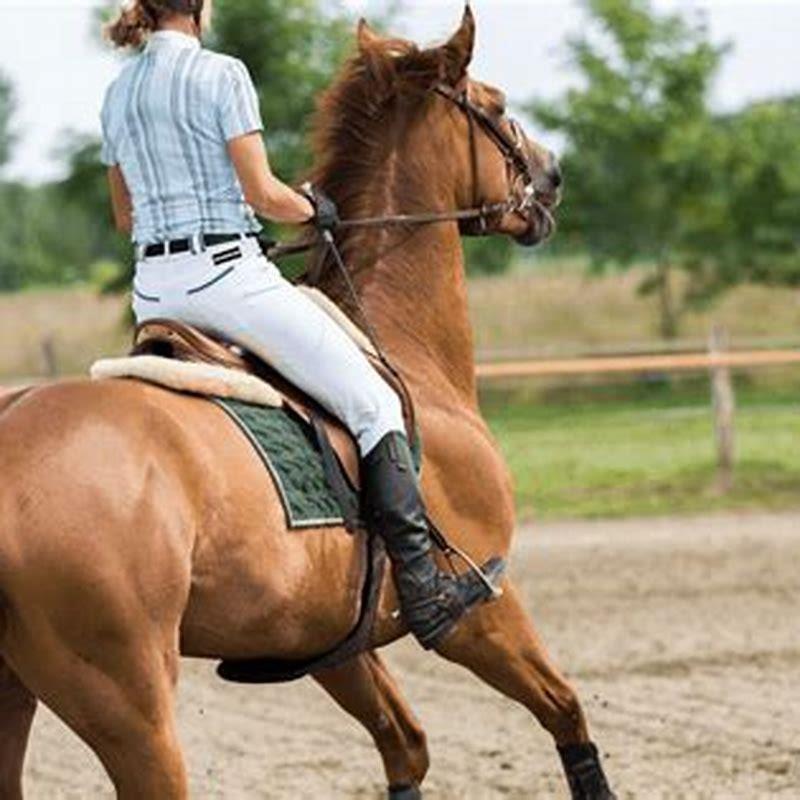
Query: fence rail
[631, 364]
[683, 362]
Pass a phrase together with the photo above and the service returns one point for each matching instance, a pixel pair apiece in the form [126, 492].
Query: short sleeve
[108, 154]
[239, 111]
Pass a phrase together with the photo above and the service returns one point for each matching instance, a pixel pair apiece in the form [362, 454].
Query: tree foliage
[292, 51]
[42, 240]
[653, 176]
[752, 224]
[639, 132]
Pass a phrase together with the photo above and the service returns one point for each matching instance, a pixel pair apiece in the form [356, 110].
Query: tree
[42, 240]
[292, 51]
[753, 225]
[84, 192]
[640, 158]
[6, 112]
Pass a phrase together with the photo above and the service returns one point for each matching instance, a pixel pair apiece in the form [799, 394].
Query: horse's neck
[411, 280]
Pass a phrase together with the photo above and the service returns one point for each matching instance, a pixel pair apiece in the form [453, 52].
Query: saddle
[177, 341]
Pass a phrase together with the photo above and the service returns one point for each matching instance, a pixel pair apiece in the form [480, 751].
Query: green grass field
[606, 460]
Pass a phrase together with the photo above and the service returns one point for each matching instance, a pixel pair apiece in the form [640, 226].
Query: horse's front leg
[500, 645]
[364, 688]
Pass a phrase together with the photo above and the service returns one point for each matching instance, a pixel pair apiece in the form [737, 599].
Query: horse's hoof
[407, 791]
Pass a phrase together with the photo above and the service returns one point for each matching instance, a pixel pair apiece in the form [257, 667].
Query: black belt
[185, 245]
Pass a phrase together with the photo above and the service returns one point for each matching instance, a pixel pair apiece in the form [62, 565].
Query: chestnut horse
[137, 526]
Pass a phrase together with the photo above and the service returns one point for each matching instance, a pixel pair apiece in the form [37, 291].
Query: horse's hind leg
[17, 708]
[500, 645]
[121, 704]
[110, 675]
[364, 688]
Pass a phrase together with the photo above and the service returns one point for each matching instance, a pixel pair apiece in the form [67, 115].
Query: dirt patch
[682, 636]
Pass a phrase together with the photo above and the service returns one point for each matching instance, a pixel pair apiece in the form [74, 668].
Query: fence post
[724, 407]
[49, 356]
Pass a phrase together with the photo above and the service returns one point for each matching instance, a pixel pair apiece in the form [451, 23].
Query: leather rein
[520, 200]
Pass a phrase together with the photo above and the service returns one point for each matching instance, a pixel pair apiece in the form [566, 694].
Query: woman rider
[188, 173]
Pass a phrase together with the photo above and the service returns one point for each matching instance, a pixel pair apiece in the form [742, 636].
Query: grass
[626, 459]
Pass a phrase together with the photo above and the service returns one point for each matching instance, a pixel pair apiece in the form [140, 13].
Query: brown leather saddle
[176, 340]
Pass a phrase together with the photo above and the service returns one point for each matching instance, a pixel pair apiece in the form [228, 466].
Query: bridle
[522, 180]
[521, 176]
[522, 197]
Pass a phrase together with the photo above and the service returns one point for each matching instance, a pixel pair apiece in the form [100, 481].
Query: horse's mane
[379, 91]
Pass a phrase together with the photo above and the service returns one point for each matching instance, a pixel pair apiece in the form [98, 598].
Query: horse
[137, 527]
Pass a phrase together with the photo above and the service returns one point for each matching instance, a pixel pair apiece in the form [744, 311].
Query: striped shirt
[166, 121]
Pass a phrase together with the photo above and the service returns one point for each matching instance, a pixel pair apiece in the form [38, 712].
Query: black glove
[326, 214]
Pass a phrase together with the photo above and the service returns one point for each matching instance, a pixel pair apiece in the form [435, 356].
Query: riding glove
[326, 214]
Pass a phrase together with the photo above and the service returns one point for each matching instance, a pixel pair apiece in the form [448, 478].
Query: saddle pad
[287, 447]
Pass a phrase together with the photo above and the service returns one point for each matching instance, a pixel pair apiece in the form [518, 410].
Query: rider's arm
[267, 194]
[120, 200]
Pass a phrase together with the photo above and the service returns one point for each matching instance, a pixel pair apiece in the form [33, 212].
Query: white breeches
[247, 301]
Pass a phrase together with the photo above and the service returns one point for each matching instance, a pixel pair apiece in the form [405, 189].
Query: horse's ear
[459, 50]
[368, 39]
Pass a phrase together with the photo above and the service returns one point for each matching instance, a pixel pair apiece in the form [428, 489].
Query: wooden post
[49, 356]
[724, 406]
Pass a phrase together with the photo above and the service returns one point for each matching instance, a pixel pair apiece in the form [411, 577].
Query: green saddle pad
[288, 449]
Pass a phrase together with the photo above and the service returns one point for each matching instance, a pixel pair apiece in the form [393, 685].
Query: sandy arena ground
[683, 637]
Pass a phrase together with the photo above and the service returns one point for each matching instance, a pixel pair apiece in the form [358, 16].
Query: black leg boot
[585, 775]
[432, 601]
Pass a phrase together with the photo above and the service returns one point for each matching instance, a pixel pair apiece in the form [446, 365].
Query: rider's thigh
[267, 315]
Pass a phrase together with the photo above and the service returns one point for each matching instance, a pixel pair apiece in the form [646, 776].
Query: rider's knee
[382, 413]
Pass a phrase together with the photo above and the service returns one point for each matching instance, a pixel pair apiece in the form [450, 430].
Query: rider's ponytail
[133, 25]
[138, 19]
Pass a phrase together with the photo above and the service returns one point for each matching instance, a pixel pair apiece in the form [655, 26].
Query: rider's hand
[326, 214]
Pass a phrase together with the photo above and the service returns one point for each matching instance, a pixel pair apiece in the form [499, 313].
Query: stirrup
[449, 550]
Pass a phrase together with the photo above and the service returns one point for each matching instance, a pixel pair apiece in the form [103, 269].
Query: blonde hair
[137, 20]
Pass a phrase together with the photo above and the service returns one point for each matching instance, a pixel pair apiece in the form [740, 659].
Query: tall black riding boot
[432, 601]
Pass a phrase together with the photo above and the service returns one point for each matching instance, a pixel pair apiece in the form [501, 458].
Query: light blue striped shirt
[166, 121]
